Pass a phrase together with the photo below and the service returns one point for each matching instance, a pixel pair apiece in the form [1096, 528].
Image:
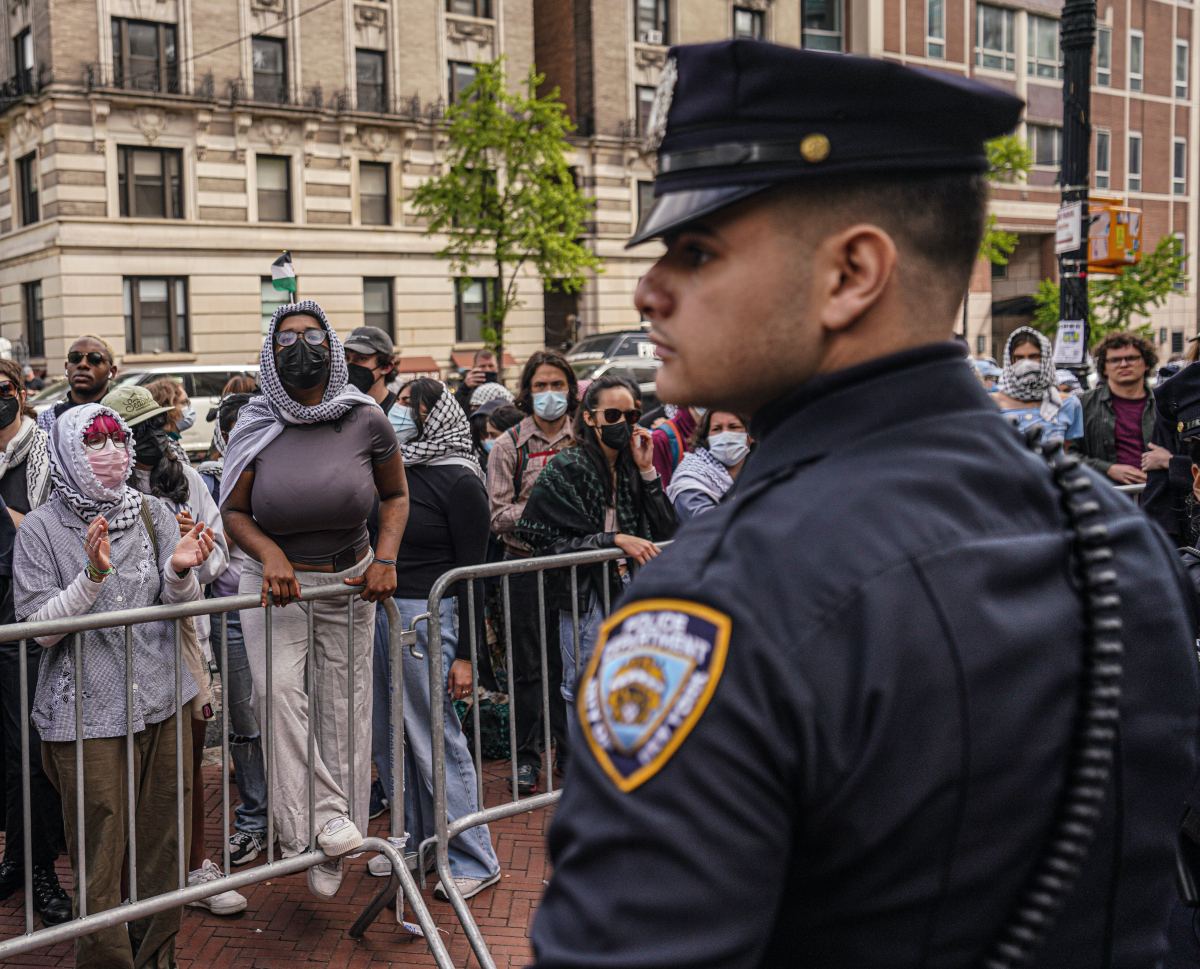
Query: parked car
[617, 343]
[202, 382]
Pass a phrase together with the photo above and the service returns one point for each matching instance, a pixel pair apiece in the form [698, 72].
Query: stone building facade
[156, 155]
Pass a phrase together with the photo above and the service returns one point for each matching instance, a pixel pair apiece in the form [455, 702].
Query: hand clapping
[193, 549]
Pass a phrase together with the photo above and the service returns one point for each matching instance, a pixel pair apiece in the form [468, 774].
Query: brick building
[156, 156]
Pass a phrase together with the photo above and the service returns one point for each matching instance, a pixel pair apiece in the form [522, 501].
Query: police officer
[831, 725]
[1168, 496]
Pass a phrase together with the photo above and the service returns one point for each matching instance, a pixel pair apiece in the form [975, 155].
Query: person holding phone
[485, 369]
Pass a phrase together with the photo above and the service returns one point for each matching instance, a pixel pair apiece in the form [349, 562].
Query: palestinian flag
[283, 273]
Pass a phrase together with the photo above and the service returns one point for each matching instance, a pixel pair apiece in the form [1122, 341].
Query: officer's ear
[852, 270]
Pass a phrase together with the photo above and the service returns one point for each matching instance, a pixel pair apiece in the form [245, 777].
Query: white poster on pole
[1068, 344]
[1068, 232]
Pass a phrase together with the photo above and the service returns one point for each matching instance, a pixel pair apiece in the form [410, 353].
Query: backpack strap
[522, 459]
[149, 523]
[674, 442]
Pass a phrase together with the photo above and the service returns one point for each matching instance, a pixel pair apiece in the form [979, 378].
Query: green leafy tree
[1009, 159]
[506, 195]
[1118, 302]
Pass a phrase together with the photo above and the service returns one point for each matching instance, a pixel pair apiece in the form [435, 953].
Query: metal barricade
[446, 828]
[401, 885]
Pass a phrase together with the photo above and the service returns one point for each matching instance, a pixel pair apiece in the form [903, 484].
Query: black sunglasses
[94, 358]
[613, 414]
[7, 389]
[313, 336]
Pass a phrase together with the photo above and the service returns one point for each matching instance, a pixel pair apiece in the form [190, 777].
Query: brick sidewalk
[285, 925]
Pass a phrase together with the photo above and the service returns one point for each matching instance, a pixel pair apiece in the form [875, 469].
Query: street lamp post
[1077, 36]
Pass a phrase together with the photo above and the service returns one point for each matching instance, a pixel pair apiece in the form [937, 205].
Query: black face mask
[148, 445]
[616, 436]
[9, 409]
[361, 377]
[302, 365]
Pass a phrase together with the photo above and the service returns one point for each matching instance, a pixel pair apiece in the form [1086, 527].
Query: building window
[994, 47]
[373, 195]
[470, 8]
[1177, 341]
[645, 199]
[377, 305]
[749, 23]
[1181, 68]
[1181, 248]
[144, 56]
[35, 330]
[270, 299]
[27, 187]
[1045, 141]
[149, 183]
[1179, 167]
[156, 318]
[645, 104]
[935, 28]
[269, 57]
[371, 72]
[1104, 57]
[462, 75]
[1042, 37]
[1136, 64]
[472, 299]
[980, 345]
[274, 188]
[650, 22]
[823, 24]
[1103, 155]
[23, 61]
[1134, 182]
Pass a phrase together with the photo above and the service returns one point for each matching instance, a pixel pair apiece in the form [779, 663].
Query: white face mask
[729, 447]
[401, 419]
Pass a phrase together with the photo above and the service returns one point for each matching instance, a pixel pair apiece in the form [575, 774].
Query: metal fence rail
[401, 885]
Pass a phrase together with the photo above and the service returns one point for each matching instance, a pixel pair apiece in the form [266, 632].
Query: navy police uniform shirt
[828, 726]
[1177, 403]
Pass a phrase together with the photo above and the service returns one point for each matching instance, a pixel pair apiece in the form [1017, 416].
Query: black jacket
[1166, 496]
[1100, 427]
[857, 681]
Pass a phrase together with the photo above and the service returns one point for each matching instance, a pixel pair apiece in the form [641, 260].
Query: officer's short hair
[939, 217]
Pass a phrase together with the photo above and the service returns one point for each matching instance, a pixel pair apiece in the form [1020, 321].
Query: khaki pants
[333, 716]
[148, 942]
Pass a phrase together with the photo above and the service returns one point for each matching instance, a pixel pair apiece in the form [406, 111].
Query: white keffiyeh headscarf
[700, 471]
[30, 448]
[445, 438]
[264, 417]
[72, 476]
[1023, 381]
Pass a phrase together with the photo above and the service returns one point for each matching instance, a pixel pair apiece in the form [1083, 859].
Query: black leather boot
[12, 877]
[49, 900]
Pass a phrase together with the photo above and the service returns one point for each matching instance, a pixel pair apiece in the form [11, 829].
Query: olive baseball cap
[134, 404]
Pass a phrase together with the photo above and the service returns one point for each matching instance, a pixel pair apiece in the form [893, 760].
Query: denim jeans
[589, 632]
[471, 853]
[381, 709]
[245, 747]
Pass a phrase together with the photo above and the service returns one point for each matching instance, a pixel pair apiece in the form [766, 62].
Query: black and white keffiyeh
[700, 471]
[445, 438]
[263, 418]
[30, 448]
[1023, 381]
[72, 476]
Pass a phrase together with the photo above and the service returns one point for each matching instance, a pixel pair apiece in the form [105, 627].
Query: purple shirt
[1129, 430]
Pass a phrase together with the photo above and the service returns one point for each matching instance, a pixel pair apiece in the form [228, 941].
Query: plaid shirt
[49, 556]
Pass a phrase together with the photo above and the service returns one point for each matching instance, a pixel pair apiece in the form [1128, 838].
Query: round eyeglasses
[313, 336]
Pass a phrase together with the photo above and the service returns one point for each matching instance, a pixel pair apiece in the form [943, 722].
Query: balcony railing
[23, 84]
[101, 77]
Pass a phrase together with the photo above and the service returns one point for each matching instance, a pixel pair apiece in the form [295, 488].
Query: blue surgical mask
[401, 419]
[550, 405]
[488, 444]
[187, 420]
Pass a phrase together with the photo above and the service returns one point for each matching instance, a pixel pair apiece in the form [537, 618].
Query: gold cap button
[814, 148]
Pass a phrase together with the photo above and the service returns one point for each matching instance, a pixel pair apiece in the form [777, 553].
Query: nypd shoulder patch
[654, 671]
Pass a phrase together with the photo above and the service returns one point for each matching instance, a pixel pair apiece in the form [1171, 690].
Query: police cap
[735, 118]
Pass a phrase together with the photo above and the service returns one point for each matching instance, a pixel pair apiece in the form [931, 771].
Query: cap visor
[676, 209]
[141, 418]
[361, 348]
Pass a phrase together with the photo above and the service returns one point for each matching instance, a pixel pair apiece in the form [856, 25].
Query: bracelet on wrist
[97, 575]
[391, 562]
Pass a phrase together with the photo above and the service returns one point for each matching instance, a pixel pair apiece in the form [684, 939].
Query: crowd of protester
[330, 470]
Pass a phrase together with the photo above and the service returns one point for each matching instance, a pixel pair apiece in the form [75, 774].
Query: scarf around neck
[700, 471]
[1037, 387]
[445, 438]
[72, 476]
[263, 418]
[29, 447]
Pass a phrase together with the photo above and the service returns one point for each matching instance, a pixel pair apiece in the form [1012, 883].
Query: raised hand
[193, 549]
[97, 544]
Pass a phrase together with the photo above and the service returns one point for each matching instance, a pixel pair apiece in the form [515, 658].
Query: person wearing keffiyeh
[303, 467]
[447, 528]
[1028, 395]
[720, 448]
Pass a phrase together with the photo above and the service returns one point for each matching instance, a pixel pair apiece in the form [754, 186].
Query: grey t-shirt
[314, 484]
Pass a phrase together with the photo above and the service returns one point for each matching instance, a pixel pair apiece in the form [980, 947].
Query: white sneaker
[380, 867]
[339, 836]
[468, 887]
[224, 903]
[325, 879]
